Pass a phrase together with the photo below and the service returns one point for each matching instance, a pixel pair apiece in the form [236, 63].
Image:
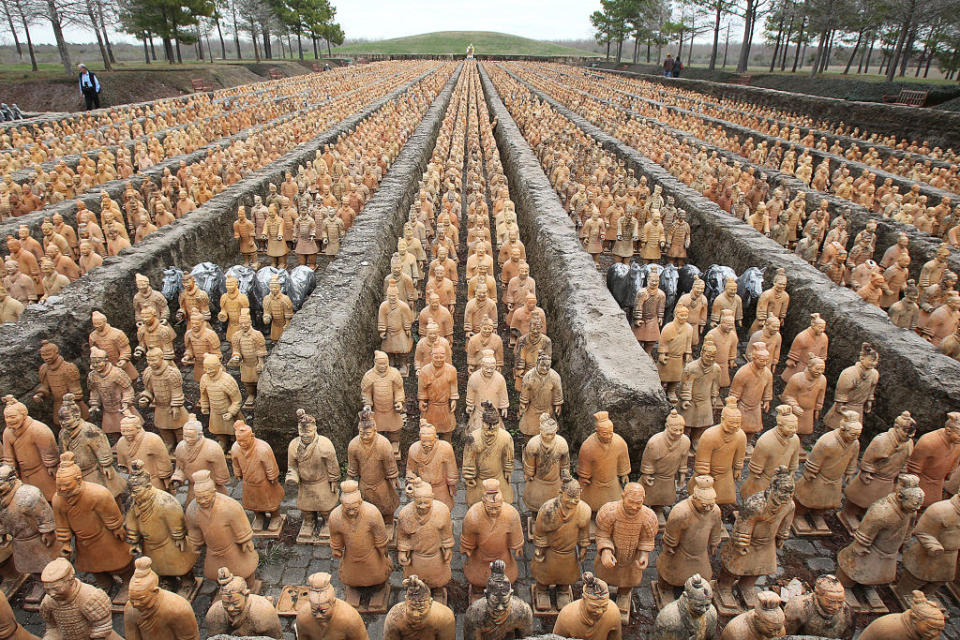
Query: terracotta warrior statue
[812, 341]
[690, 539]
[871, 558]
[57, 378]
[418, 616]
[9, 626]
[764, 621]
[26, 520]
[883, 460]
[690, 617]
[855, 388]
[433, 461]
[721, 453]
[752, 386]
[485, 385]
[219, 522]
[90, 526]
[823, 612]
[491, 531]
[198, 341]
[73, 610]
[155, 527]
[603, 464]
[359, 539]
[930, 555]
[153, 613]
[593, 617]
[546, 465]
[761, 527]
[804, 393]
[231, 303]
[779, 447]
[248, 350]
[381, 389]
[239, 612]
[394, 322]
[664, 464]
[831, 464]
[313, 468]
[323, 616]
[924, 620]
[163, 389]
[255, 467]
[437, 393]
[425, 538]
[541, 393]
[195, 453]
[113, 342]
[90, 448]
[561, 537]
[29, 447]
[277, 309]
[148, 447]
[674, 351]
[219, 398]
[488, 453]
[111, 392]
[700, 392]
[935, 457]
[154, 333]
[370, 462]
[499, 614]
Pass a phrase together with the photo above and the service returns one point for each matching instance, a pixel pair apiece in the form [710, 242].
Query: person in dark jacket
[668, 66]
[89, 87]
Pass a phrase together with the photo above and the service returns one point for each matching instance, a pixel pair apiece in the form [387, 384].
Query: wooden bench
[200, 85]
[276, 74]
[908, 98]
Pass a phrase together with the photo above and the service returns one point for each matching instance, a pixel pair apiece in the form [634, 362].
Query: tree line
[172, 25]
[890, 37]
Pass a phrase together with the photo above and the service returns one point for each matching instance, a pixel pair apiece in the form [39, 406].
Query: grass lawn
[456, 42]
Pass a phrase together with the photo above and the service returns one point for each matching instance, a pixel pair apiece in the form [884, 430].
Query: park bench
[908, 98]
[199, 84]
[276, 74]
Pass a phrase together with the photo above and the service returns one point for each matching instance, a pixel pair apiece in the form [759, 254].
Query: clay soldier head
[98, 360]
[144, 584]
[766, 620]
[704, 496]
[674, 426]
[14, 413]
[730, 417]
[322, 596]
[687, 614]
[924, 620]
[830, 596]
[367, 427]
[787, 422]
[381, 361]
[498, 591]
[350, 498]
[211, 363]
[492, 498]
[59, 580]
[233, 593]
[417, 602]
[306, 426]
[69, 477]
[697, 596]
[603, 426]
[130, 427]
[596, 597]
[781, 488]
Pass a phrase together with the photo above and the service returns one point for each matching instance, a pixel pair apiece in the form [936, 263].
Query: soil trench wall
[328, 346]
[602, 366]
[205, 235]
[913, 375]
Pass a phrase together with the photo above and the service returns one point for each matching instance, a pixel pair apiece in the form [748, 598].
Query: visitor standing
[668, 66]
[89, 87]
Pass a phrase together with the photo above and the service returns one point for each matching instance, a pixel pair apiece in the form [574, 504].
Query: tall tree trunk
[796, 55]
[648, 51]
[33, 54]
[895, 54]
[316, 54]
[146, 49]
[176, 42]
[103, 28]
[933, 53]
[153, 50]
[299, 46]
[223, 45]
[619, 49]
[168, 50]
[690, 45]
[253, 36]
[907, 50]
[13, 30]
[744, 62]
[330, 54]
[716, 35]
[786, 43]
[236, 29]
[680, 45]
[920, 60]
[96, 30]
[267, 49]
[815, 68]
[199, 44]
[866, 63]
[853, 54]
[776, 46]
[636, 48]
[55, 22]
[726, 47]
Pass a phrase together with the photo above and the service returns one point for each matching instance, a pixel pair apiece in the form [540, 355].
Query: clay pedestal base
[953, 588]
[662, 598]
[548, 602]
[906, 600]
[865, 599]
[272, 531]
[368, 599]
[624, 598]
[189, 588]
[849, 521]
[810, 525]
[317, 538]
[119, 601]
[730, 604]
[31, 601]
[10, 586]
[290, 597]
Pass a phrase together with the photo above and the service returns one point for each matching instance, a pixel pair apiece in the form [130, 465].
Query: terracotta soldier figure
[433, 461]
[561, 537]
[664, 463]
[728, 300]
[323, 616]
[924, 620]
[773, 302]
[418, 616]
[231, 303]
[90, 448]
[724, 337]
[248, 350]
[73, 610]
[499, 615]
[593, 616]
[823, 612]
[546, 465]
[255, 467]
[153, 613]
[381, 389]
[371, 462]
[195, 453]
[804, 394]
[855, 387]
[155, 527]
[721, 453]
[871, 558]
[690, 617]
[764, 621]
[883, 460]
[148, 447]
[541, 393]
[648, 312]
[930, 555]
[603, 464]
[491, 531]
[690, 539]
[700, 392]
[90, 526]
[394, 320]
[113, 342]
[111, 392]
[219, 398]
[239, 612]
[831, 463]
[9, 626]
[812, 341]
[198, 341]
[26, 521]
[163, 388]
[313, 468]
[935, 457]
[244, 232]
[219, 522]
[359, 539]
[147, 296]
[761, 527]
[425, 538]
[488, 453]
[57, 377]
[779, 447]
[438, 394]
[674, 351]
[530, 347]
[29, 448]
[752, 386]
[192, 298]
[485, 385]
[277, 309]
[486, 339]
